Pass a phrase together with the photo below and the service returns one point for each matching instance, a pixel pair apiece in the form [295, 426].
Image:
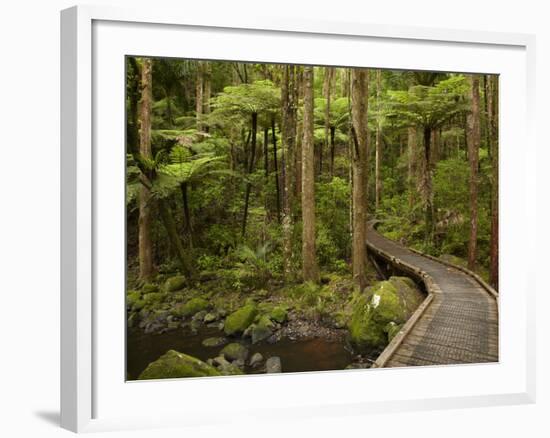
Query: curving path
[458, 321]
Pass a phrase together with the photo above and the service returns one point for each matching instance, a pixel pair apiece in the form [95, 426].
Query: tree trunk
[411, 166]
[332, 150]
[186, 213]
[134, 95]
[474, 136]
[276, 171]
[199, 102]
[288, 134]
[145, 220]
[327, 91]
[493, 110]
[173, 237]
[207, 91]
[266, 155]
[360, 150]
[377, 175]
[427, 189]
[250, 169]
[310, 269]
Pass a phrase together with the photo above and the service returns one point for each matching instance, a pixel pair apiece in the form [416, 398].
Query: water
[301, 355]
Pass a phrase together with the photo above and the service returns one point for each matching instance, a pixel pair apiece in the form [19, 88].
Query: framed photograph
[288, 218]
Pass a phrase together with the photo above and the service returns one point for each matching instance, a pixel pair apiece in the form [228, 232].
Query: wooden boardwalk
[457, 323]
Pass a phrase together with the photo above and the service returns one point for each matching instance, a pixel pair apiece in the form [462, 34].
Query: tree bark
[309, 262]
[276, 171]
[288, 134]
[378, 158]
[145, 200]
[250, 170]
[327, 91]
[411, 165]
[427, 189]
[360, 150]
[133, 95]
[474, 137]
[207, 90]
[493, 109]
[184, 187]
[199, 103]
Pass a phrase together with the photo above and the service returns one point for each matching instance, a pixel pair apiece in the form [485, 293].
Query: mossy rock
[175, 283]
[153, 298]
[235, 351]
[372, 311]
[392, 329]
[261, 330]
[409, 294]
[278, 314]
[147, 288]
[193, 306]
[238, 321]
[174, 364]
[134, 300]
[214, 342]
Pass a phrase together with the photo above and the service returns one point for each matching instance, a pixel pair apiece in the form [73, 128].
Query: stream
[315, 354]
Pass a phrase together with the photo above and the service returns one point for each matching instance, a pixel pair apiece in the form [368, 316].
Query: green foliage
[253, 267]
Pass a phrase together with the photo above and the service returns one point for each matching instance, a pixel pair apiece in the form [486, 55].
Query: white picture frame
[92, 385]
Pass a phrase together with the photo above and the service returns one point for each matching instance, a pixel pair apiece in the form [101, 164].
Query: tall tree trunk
[345, 82]
[250, 170]
[377, 175]
[360, 150]
[327, 91]
[145, 200]
[309, 262]
[493, 110]
[207, 90]
[266, 154]
[199, 102]
[411, 166]
[332, 149]
[276, 170]
[426, 189]
[474, 136]
[173, 237]
[184, 187]
[134, 95]
[288, 134]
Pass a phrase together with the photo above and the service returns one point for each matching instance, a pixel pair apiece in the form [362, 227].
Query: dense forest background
[266, 173]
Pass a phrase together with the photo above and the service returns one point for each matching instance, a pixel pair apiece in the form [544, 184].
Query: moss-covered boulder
[386, 302]
[278, 314]
[217, 341]
[153, 298]
[175, 283]
[134, 300]
[410, 295]
[235, 351]
[261, 330]
[147, 288]
[238, 321]
[191, 307]
[392, 329]
[174, 364]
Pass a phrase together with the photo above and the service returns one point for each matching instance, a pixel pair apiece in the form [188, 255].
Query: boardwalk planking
[460, 325]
